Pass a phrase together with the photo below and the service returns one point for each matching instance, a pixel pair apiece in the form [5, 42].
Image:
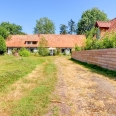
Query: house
[106, 26]
[65, 42]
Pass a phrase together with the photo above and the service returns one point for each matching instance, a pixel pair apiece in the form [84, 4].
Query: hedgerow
[108, 41]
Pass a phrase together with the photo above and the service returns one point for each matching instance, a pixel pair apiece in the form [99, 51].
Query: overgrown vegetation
[97, 69]
[35, 103]
[2, 45]
[42, 49]
[11, 68]
[24, 52]
[108, 41]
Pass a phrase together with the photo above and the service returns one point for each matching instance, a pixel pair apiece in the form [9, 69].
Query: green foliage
[63, 29]
[77, 48]
[55, 52]
[24, 52]
[58, 51]
[12, 69]
[3, 32]
[93, 32]
[13, 29]
[2, 45]
[42, 49]
[97, 69]
[88, 19]
[36, 101]
[14, 51]
[90, 44]
[108, 41]
[72, 26]
[44, 26]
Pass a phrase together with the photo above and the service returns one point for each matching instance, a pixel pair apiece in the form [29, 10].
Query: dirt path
[80, 92]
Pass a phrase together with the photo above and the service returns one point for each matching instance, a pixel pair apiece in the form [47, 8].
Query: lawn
[26, 84]
[13, 68]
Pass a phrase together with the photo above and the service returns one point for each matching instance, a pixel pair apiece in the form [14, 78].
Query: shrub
[58, 51]
[77, 48]
[55, 52]
[2, 45]
[42, 49]
[108, 41]
[14, 51]
[90, 44]
[98, 44]
[24, 52]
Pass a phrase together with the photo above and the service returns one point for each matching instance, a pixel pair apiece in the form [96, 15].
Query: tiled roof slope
[53, 40]
[111, 25]
[19, 40]
[63, 40]
[103, 24]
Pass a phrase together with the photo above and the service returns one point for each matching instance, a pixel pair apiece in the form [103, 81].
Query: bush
[24, 52]
[108, 41]
[14, 51]
[90, 44]
[42, 49]
[77, 48]
[55, 52]
[2, 45]
[58, 51]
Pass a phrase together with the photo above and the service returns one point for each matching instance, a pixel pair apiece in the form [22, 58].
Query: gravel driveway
[80, 92]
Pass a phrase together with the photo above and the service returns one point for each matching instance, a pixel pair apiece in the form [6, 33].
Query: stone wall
[105, 58]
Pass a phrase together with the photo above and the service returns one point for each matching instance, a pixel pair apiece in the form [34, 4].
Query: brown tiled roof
[19, 40]
[53, 40]
[103, 24]
[63, 40]
[113, 25]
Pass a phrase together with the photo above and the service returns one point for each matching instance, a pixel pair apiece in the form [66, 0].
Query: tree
[93, 32]
[88, 19]
[44, 26]
[2, 45]
[42, 49]
[63, 29]
[71, 25]
[13, 29]
[3, 32]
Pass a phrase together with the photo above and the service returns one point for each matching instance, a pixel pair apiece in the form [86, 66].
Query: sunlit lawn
[34, 101]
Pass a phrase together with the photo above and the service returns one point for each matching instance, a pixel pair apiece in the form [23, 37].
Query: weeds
[36, 102]
[12, 69]
[97, 69]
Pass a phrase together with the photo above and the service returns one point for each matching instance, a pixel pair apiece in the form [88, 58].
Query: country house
[65, 42]
[106, 26]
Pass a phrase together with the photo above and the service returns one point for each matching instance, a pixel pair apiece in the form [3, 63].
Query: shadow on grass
[97, 69]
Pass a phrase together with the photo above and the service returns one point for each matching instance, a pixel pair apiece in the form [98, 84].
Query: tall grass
[36, 102]
[97, 69]
[13, 68]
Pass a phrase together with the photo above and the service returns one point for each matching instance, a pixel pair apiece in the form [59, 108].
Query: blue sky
[26, 12]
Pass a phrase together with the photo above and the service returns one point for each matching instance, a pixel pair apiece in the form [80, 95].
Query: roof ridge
[104, 21]
[113, 19]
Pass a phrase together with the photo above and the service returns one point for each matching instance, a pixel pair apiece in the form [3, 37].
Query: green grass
[97, 69]
[37, 100]
[13, 68]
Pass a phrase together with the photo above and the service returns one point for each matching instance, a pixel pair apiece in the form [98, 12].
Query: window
[34, 42]
[28, 42]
